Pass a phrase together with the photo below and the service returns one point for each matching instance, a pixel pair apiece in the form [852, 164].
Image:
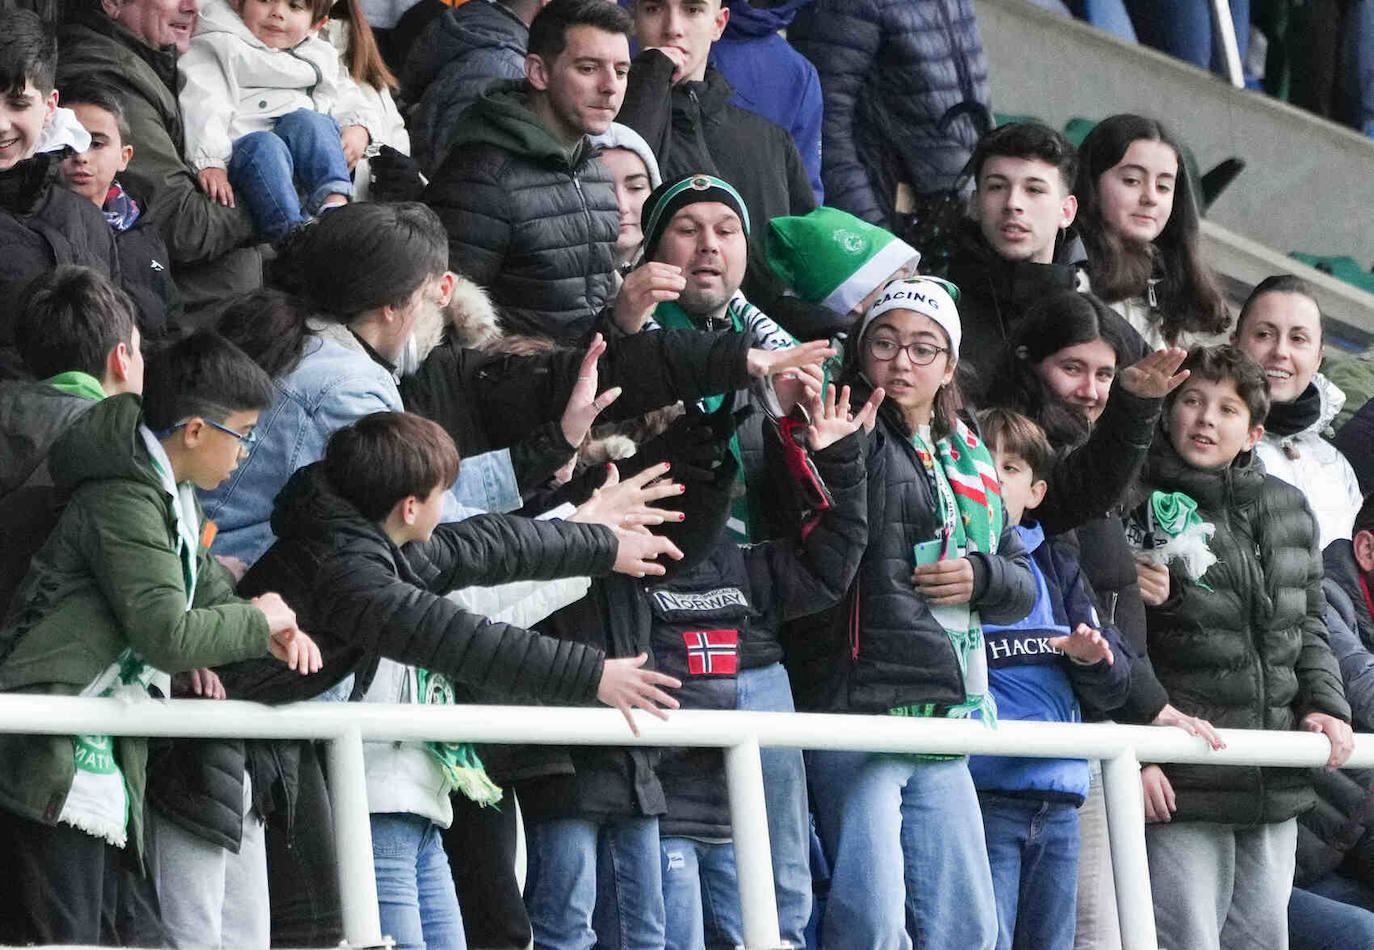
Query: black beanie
[671, 196]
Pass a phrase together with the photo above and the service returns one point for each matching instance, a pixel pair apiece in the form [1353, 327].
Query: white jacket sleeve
[522, 603]
[339, 95]
[208, 100]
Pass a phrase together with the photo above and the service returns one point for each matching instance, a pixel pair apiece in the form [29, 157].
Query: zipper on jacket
[1255, 635]
[591, 238]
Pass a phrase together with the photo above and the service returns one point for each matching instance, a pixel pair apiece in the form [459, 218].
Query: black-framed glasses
[920, 353]
[246, 441]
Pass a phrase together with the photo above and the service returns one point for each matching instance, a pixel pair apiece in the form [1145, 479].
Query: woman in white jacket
[271, 116]
[1280, 328]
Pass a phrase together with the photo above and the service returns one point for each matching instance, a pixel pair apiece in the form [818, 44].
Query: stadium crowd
[551, 374]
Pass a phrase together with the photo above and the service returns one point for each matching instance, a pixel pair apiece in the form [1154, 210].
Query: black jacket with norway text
[533, 222]
[362, 598]
[1249, 650]
[883, 648]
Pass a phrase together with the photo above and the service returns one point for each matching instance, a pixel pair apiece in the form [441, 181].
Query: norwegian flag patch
[712, 652]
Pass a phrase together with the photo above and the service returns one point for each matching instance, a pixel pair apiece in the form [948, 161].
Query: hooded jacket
[889, 70]
[460, 54]
[772, 79]
[195, 229]
[531, 221]
[995, 293]
[1249, 650]
[43, 225]
[1317, 468]
[233, 84]
[109, 577]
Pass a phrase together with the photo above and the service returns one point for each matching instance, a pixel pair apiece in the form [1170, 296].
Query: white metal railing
[345, 726]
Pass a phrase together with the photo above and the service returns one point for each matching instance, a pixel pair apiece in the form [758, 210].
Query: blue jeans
[905, 842]
[767, 689]
[1324, 923]
[415, 893]
[1108, 15]
[561, 883]
[1033, 854]
[701, 895]
[271, 170]
[1183, 29]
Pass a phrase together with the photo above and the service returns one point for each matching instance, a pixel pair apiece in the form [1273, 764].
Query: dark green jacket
[1251, 653]
[108, 578]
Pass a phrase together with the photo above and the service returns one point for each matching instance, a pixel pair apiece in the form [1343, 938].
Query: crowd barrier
[344, 727]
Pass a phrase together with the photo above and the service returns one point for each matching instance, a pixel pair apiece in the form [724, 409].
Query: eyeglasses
[246, 441]
[920, 354]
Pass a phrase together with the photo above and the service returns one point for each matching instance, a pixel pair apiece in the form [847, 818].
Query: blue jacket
[1032, 680]
[332, 386]
[772, 79]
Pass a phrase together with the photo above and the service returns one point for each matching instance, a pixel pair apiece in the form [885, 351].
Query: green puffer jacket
[1252, 652]
[108, 578]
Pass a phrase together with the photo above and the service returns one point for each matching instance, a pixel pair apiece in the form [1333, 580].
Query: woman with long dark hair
[1138, 217]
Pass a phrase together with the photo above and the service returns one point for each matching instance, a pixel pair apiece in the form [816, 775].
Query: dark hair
[1364, 519]
[1189, 296]
[949, 401]
[1006, 430]
[1228, 363]
[1280, 284]
[367, 255]
[386, 457]
[90, 92]
[202, 375]
[1028, 140]
[1057, 321]
[549, 30]
[28, 52]
[269, 326]
[69, 318]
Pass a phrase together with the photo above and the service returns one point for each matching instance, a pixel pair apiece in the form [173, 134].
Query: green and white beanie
[831, 257]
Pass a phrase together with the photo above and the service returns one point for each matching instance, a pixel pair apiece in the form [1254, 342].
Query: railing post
[362, 924]
[753, 858]
[1130, 866]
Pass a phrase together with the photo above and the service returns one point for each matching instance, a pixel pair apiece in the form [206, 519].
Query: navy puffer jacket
[889, 70]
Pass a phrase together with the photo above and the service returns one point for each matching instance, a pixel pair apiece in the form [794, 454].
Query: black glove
[696, 445]
[395, 177]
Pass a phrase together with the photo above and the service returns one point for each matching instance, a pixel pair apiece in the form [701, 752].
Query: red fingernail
[667, 465]
[608, 466]
[681, 489]
[681, 517]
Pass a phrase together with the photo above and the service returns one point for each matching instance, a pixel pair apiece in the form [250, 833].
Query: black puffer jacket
[529, 220]
[1249, 650]
[462, 52]
[1336, 833]
[362, 598]
[43, 225]
[995, 293]
[145, 271]
[489, 401]
[884, 648]
[889, 70]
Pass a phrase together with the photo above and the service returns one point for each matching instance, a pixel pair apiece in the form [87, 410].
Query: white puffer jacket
[404, 777]
[233, 84]
[1317, 468]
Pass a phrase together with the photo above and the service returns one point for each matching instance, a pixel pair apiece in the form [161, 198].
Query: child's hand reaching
[831, 421]
[628, 504]
[215, 183]
[1159, 794]
[355, 140]
[625, 685]
[584, 405]
[1085, 645]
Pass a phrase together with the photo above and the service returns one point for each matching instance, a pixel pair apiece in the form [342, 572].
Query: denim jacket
[333, 385]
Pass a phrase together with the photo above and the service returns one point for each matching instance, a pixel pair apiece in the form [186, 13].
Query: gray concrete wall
[1309, 184]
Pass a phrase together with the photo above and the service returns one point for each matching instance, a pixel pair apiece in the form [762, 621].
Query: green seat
[1341, 266]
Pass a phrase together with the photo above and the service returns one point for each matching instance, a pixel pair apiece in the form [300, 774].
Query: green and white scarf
[98, 801]
[970, 500]
[462, 769]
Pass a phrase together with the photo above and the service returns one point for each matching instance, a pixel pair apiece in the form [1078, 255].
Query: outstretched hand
[626, 685]
[772, 362]
[832, 420]
[1157, 375]
[619, 505]
[1085, 645]
[584, 405]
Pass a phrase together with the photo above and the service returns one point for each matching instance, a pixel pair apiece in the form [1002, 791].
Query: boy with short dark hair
[40, 226]
[1038, 668]
[145, 268]
[1240, 641]
[1019, 245]
[77, 336]
[124, 593]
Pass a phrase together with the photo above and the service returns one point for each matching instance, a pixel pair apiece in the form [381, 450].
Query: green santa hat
[831, 257]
